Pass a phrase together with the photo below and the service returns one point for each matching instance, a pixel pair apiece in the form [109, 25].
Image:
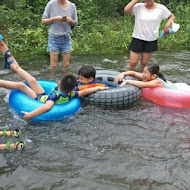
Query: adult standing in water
[148, 17]
[61, 16]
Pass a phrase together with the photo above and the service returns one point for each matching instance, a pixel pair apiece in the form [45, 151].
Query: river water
[143, 147]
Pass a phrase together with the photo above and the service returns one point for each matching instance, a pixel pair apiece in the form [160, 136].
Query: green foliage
[24, 28]
[35, 38]
[107, 36]
[103, 27]
[36, 6]
[181, 39]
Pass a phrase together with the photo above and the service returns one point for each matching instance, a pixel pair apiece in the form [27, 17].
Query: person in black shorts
[148, 17]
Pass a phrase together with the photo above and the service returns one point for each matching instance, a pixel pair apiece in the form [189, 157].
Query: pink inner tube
[167, 97]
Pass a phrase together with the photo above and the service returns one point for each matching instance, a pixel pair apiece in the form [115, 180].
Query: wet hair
[155, 69]
[87, 71]
[68, 83]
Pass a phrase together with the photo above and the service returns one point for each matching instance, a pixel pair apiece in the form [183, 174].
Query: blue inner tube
[20, 102]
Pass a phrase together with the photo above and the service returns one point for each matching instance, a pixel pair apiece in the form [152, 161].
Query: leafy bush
[102, 27]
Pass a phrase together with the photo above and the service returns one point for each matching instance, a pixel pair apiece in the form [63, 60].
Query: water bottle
[1, 37]
[163, 35]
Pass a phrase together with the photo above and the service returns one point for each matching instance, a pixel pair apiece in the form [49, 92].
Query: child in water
[151, 77]
[62, 93]
[86, 78]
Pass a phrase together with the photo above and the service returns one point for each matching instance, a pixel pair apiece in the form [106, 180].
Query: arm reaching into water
[49, 103]
[42, 109]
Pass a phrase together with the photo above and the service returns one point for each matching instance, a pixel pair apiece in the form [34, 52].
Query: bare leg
[65, 59]
[145, 59]
[18, 86]
[3, 49]
[37, 88]
[134, 57]
[23, 74]
[34, 89]
[53, 59]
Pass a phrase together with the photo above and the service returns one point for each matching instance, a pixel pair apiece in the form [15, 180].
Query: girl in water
[151, 77]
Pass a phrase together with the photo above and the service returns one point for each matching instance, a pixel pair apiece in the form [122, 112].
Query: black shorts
[139, 46]
[38, 96]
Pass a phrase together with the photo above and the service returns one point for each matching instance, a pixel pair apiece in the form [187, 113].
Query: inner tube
[115, 96]
[21, 102]
[167, 97]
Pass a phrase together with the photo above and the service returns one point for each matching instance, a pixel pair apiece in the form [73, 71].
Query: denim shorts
[60, 44]
[140, 46]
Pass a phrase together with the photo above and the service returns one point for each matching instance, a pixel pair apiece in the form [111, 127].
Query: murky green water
[144, 147]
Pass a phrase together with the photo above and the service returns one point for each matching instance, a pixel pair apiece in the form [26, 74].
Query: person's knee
[142, 66]
[32, 81]
[66, 58]
[144, 62]
[20, 86]
[53, 58]
[132, 64]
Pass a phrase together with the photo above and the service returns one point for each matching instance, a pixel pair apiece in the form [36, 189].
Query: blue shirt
[167, 85]
[57, 97]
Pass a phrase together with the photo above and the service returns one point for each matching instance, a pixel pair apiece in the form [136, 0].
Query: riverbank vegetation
[103, 26]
